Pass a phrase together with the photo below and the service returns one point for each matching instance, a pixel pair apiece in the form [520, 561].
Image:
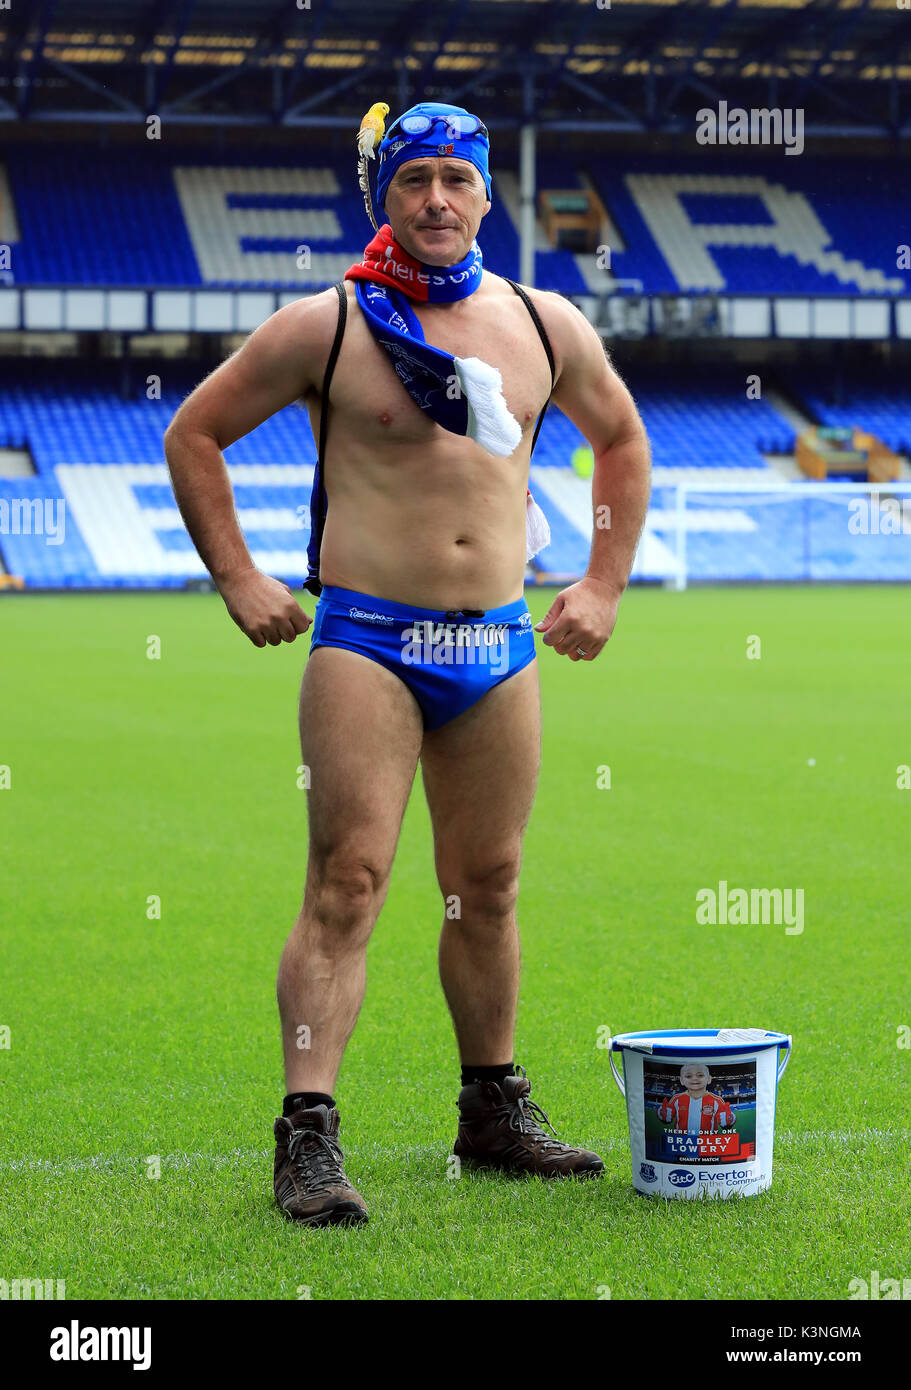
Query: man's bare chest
[369, 400]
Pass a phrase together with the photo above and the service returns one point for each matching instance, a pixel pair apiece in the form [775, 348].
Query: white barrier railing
[208, 309]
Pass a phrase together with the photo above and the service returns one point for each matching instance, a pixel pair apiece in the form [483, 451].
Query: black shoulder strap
[542, 334]
[318, 500]
[339, 288]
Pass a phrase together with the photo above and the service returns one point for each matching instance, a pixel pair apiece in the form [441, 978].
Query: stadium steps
[789, 409]
[870, 398]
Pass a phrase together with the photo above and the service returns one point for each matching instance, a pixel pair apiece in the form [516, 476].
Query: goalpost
[784, 532]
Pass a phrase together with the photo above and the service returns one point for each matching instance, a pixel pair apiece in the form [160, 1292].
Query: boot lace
[316, 1158]
[523, 1116]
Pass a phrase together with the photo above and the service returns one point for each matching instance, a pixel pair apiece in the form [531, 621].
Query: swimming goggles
[457, 127]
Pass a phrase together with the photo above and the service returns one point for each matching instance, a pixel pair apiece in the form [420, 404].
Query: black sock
[472, 1075]
[305, 1100]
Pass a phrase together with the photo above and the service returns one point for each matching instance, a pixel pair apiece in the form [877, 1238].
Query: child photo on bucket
[696, 1109]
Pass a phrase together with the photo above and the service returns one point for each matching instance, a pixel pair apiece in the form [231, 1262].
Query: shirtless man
[421, 521]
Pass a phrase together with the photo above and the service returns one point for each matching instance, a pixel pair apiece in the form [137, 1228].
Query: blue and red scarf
[386, 262]
[463, 394]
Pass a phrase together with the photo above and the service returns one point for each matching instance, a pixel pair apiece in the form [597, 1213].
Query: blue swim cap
[443, 134]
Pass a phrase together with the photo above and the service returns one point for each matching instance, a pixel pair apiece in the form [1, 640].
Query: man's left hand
[582, 616]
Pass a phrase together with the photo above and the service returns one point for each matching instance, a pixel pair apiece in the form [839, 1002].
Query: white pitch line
[97, 1162]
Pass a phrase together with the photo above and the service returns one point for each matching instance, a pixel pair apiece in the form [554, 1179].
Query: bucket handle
[617, 1077]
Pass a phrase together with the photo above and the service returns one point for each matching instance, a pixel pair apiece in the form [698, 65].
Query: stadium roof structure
[609, 65]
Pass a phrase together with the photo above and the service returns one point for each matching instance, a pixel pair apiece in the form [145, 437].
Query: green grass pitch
[131, 1038]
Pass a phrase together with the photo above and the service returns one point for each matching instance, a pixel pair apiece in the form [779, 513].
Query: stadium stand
[186, 221]
[748, 231]
[702, 243]
[695, 421]
[180, 219]
[879, 402]
[103, 457]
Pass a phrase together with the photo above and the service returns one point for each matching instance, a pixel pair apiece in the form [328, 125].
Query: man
[424, 532]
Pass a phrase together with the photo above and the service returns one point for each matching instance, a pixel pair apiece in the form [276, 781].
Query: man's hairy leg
[480, 772]
[361, 735]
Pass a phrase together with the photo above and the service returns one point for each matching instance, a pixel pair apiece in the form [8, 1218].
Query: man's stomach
[424, 561]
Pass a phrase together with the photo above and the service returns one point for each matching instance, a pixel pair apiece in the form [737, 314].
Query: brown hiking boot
[309, 1178]
[498, 1128]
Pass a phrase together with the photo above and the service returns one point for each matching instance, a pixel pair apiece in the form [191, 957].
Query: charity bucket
[701, 1108]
